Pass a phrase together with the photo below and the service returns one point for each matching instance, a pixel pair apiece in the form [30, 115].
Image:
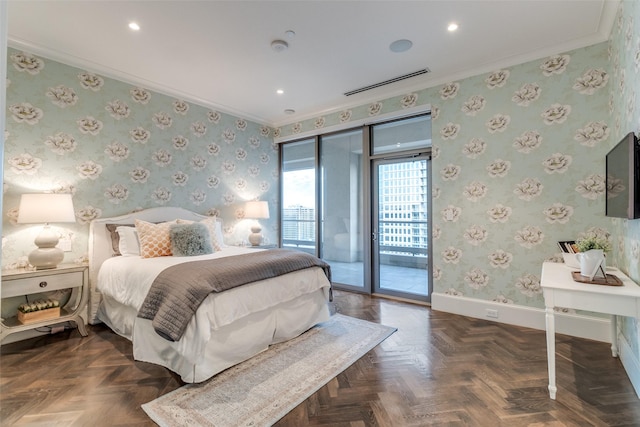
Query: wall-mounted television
[623, 179]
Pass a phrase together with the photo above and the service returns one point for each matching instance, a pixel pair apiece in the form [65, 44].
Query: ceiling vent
[386, 82]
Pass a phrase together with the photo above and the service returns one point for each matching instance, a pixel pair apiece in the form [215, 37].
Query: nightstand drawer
[32, 285]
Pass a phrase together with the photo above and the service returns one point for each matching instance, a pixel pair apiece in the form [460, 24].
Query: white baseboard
[630, 362]
[594, 328]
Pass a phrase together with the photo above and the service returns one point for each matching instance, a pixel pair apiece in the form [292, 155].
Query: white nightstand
[27, 282]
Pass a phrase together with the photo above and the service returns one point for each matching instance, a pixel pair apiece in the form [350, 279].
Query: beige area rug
[263, 389]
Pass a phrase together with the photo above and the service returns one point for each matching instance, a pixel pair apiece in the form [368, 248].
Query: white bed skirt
[247, 336]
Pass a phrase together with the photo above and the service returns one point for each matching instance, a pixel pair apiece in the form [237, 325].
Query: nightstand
[28, 282]
[262, 247]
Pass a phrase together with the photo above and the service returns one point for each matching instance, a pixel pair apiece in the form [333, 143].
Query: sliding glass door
[341, 164]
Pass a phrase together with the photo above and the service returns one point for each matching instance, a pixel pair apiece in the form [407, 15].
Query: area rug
[263, 389]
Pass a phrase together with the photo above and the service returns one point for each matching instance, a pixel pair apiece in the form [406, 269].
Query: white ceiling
[217, 53]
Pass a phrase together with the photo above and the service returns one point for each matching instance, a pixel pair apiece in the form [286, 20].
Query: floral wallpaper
[518, 164]
[118, 148]
[624, 51]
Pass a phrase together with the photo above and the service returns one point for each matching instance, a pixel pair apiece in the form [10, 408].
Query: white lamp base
[255, 238]
[47, 255]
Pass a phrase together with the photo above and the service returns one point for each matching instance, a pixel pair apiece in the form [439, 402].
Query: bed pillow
[128, 244]
[115, 238]
[215, 230]
[190, 239]
[154, 238]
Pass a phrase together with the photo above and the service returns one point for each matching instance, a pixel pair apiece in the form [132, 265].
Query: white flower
[253, 171]
[556, 113]
[241, 184]
[500, 259]
[61, 143]
[180, 107]
[451, 255]
[475, 191]
[214, 116]
[26, 113]
[453, 292]
[241, 154]
[592, 187]
[451, 213]
[473, 105]
[498, 123]
[265, 131]
[499, 168]
[591, 81]
[529, 285]
[140, 95]
[449, 90]
[25, 164]
[409, 100]
[198, 129]
[228, 167]
[87, 214]
[499, 213]
[228, 198]
[198, 162]
[116, 194]
[476, 278]
[162, 120]
[118, 109]
[25, 62]
[198, 197]
[450, 131]
[475, 235]
[62, 96]
[264, 186]
[474, 148]
[297, 128]
[180, 142]
[117, 151]
[528, 189]
[344, 116]
[557, 163]
[528, 141]
[254, 142]
[527, 93]
[89, 125]
[497, 79]
[374, 109]
[89, 170]
[264, 158]
[213, 149]
[90, 81]
[161, 195]
[592, 133]
[529, 236]
[555, 65]
[241, 124]
[180, 178]
[162, 158]
[140, 135]
[319, 123]
[229, 136]
[213, 181]
[450, 172]
[139, 175]
[558, 213]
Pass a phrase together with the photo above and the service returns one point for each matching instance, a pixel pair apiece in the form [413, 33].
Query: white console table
[560, 290]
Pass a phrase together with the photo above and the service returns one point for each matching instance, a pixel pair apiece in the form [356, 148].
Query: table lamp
[46, 208]
[256, 210]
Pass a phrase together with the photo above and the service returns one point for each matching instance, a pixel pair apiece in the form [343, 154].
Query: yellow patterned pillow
[155, 240]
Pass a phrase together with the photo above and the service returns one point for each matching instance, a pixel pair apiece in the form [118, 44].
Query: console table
[560, 290]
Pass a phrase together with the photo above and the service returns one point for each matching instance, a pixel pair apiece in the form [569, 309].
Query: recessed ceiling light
[290, 34]
[279, 45]
[452, 27]
[134, 26]
[279, 91]
[401, 45]
[289, 111]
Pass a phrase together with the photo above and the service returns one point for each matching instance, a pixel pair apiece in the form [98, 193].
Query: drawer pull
[43, 284]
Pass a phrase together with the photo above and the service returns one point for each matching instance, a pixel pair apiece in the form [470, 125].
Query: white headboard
[100, 248]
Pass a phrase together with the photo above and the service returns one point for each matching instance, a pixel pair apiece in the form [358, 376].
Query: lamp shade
[45, 208]
[256, 210]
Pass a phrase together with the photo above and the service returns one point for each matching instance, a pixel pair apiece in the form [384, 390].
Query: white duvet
[127, 279]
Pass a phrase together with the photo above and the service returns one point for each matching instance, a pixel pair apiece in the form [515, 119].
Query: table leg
[614, 335]
[551, 350]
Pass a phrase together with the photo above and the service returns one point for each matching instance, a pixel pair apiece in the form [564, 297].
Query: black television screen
[623, 179]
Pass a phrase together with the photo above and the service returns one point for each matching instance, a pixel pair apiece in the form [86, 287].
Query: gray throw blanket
[178, 291]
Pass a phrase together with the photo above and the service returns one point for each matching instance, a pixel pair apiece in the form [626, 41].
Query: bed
[227, 328]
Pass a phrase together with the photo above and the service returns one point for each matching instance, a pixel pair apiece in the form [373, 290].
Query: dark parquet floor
[438, 369]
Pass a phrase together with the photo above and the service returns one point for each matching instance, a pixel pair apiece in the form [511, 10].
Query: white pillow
[129, 245]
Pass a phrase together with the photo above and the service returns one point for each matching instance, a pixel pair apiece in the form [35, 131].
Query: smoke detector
[279, 45]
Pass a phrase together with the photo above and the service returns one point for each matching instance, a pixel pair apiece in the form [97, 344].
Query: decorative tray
[610, 280]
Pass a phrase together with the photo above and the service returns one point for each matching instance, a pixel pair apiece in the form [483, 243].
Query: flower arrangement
[593, 242]
[38, 305]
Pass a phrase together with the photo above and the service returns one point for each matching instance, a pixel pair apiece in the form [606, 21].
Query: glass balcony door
[400, 238]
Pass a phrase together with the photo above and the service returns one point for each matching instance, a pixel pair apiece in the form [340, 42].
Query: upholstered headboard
[100, 248]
